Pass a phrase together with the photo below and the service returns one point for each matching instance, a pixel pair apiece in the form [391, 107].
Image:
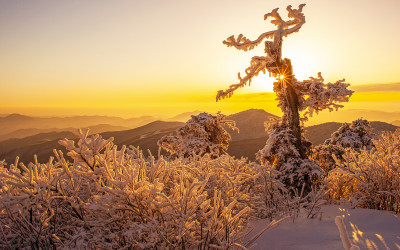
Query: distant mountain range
[252, 136]
[19, 126]
[184, 116]
[396, 123]
[95, 129]
[349, 115]
[43, 144]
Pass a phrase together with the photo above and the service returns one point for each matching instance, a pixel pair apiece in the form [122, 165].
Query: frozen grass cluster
[109, 198]
[370, 178]
[101, 197]
[360, 169]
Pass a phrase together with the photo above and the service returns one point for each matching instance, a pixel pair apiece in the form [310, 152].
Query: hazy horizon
[369, 98]
[344, 115]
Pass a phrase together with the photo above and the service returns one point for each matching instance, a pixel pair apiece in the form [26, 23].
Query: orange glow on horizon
[146, 57]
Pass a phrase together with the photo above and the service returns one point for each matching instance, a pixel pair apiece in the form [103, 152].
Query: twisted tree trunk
[293, 117]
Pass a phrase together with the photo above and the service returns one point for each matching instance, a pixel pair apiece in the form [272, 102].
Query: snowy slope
[367, 228]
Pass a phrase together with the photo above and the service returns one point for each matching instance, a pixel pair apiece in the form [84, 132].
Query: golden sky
[163, 57]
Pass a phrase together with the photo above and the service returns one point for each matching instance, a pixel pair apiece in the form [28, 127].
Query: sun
[262, 83]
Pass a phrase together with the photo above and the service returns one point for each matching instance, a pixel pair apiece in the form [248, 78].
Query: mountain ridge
[252, 137]
[14, 122]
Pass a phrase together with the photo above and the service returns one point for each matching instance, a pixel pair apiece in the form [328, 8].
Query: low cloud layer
[377, 87]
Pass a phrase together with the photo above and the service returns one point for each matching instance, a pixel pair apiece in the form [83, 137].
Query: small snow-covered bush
[370, 178]
[102, 197]
[202, 134]
[357, 135]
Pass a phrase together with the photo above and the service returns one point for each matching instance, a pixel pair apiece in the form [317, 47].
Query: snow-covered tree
[357, 135]
[286, 149]
[202, 134]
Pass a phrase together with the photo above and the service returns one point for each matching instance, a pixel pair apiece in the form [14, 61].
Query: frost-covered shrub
[109, 198]
[268, 198]
[282, 154]
[202, 134]
[281, 145]
[298, 172]
[356, 135]
[370, 178]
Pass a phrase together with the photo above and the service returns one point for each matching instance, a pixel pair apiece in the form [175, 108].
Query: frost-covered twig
[298, 19]
[272, 61]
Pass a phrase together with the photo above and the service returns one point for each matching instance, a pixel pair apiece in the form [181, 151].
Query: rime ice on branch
[309, 96]
[272, 62]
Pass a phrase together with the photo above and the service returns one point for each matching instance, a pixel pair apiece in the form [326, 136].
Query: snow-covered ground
[368, 229]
